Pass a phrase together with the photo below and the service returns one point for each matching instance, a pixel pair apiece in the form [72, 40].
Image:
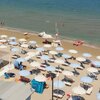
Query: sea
[72, 19]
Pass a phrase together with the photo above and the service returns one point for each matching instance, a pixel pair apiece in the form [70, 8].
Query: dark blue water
[76, 19]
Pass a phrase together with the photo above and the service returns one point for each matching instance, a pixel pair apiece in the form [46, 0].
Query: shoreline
[69, 40]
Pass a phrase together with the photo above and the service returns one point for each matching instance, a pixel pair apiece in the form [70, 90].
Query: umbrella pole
[52, 87]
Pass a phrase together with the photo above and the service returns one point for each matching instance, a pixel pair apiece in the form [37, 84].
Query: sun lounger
[58, 93]
[51, 60]
[65, 64]
[89, 91]
[24, 79]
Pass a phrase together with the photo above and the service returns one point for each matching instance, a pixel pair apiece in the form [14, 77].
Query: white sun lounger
[89, 91]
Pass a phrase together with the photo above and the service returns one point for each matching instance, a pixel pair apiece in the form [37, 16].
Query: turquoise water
[76, 19]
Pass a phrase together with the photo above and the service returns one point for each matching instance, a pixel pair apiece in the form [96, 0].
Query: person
[20, 66]
[57, 34]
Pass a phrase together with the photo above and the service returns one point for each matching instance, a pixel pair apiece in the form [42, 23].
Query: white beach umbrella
[3, 46]
[80, 59]
[59, 61]
[47, 45]
[40, 78]
[3, 36]
[22, 40]
[26, 33]
[24, 45]
[92, 70]
[12, 38]
[32, 42]
[52, 52]
[67, 73]
[3, 41]
[79, 90]
[98, 57]
[31, 53]
[73, 51]
[35, 64]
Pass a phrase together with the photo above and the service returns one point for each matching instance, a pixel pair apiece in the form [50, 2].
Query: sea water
[73, 19]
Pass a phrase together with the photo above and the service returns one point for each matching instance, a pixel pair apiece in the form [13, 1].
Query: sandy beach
[46, 95]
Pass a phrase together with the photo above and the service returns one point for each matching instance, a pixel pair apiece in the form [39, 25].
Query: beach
[66, 44]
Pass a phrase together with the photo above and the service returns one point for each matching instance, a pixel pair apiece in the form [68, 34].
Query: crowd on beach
[68, 66]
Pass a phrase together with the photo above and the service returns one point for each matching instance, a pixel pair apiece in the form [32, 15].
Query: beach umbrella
[3, 36]
[12, 38]
[3, 41]
[26, 33]
[59, 61]
[15, 50]
[22, 40]
[35, 64]
[67, 73]
[31, 53]
[24, 73]
[20, 60]
[3, 46]
[24, 45]
[74, 65]
[40, 78]
[59, 48]
[87, 55]
[80, 59]
[92, 70]
[76, 97]
[66, 56]
[98, 96]
[50, 68]
[53, 52]
[73, 51]
[32, 42]
[79, 90]
[86, 79]
[58, 84]
[98, 57]
[45, 57]
[13, 43]
[40, 49]
[96, 63]
[47, 45]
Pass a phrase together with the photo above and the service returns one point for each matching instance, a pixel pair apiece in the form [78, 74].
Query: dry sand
[67, 45]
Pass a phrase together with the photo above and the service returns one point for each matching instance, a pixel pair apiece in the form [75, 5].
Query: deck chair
[58, 93]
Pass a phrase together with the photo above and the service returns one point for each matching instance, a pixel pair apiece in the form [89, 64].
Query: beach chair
[24, 79]
[58, 93]
[89, 91]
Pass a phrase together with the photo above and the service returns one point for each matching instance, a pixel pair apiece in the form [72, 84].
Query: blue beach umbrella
[40, 49]
[98, 96]
[20, 60]
[45, 57]
[24, 73]
[50, 68]
[87, 55]
[58, 84]
[15, 49]
[13, 43]
[74, 65]
[96, 63]
[66, 56]
[86, 79]
[59, 48]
